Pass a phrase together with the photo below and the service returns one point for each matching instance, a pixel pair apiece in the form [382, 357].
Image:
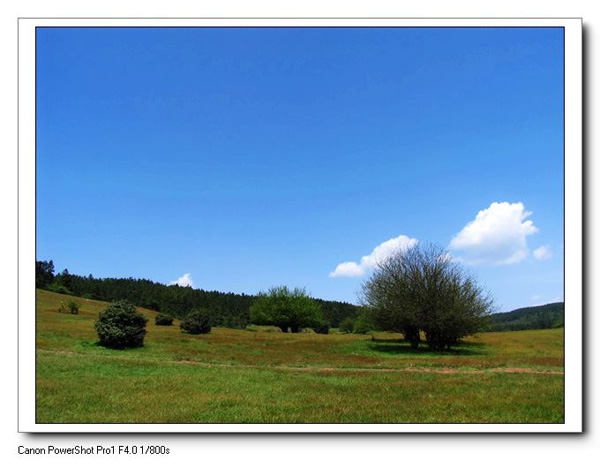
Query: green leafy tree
[286, 309]
[44, 273]
[121, 326]
[422, 289]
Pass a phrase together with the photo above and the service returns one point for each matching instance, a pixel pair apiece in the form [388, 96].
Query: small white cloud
[379, 253]
[497, 235]
[185, 280]
[542, 253]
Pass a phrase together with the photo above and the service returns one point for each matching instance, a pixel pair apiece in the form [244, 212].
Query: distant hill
[227, 309]
[530, 318]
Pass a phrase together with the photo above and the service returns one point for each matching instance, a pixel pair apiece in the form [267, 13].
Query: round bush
[163, 319]
[196, 322]
[121, 326]
[73, 306]
[322, 329]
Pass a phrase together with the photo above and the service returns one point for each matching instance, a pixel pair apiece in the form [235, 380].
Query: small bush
[322, 329]
[347, 325]
[121, 326]
[62, 308]
[73, 306]
[163, 319]
[196, 322]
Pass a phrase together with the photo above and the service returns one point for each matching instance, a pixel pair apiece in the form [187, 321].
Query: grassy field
[239, 376]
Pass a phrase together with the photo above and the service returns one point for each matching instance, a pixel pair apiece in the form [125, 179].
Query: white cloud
[379, 253]
[497, 235]
[347, 269]
[542, 253]
[185, 280]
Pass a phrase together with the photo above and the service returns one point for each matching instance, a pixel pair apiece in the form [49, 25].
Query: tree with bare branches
[422, 289]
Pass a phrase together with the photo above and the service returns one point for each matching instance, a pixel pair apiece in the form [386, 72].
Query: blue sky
[247, 158]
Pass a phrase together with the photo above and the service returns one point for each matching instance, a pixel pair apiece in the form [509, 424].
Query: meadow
[254, 376]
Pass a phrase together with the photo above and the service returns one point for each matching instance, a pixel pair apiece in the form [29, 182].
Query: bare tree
[422, 289]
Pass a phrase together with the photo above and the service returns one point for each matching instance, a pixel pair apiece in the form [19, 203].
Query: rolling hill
[530, 318]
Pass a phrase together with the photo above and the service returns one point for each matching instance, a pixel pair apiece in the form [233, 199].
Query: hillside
[242, 376]
[530, 318]
[227, 309]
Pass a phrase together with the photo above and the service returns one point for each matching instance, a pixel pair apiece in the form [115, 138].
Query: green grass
[237, 376]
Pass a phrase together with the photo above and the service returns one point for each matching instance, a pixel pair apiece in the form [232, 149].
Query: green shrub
[196, 322]
[121, 326]
[322, 329]
[163, 319]
[73, 306]
[62, 308]
[347, 325]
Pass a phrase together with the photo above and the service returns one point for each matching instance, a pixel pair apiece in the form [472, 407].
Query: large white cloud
[185, 280]
[497, 235]
[379, 253]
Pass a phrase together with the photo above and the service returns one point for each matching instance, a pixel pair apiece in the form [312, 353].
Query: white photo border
[573, 225]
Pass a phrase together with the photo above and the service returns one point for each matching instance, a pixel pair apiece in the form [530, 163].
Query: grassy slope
[244, 376]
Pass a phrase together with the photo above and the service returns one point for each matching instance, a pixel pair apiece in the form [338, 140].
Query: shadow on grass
[397, 346]
[90, 344]
[96, 345]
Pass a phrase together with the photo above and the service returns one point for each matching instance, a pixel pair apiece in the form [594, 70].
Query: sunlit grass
[251, 379]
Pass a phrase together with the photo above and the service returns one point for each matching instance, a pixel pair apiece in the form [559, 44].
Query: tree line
[226, 309]
[530, 318]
